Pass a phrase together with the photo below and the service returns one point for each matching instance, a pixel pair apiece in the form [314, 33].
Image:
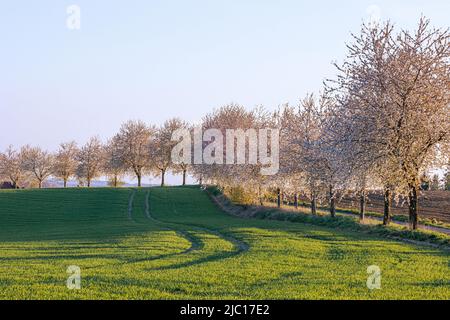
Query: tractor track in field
[196, 243]
[240, 246]
[130, 205]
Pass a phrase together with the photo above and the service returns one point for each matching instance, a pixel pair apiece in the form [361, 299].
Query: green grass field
[174, 243]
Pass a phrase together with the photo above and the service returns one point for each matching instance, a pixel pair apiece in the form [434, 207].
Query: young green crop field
[174, 243]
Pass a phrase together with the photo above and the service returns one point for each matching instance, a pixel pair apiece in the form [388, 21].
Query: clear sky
[153, 60]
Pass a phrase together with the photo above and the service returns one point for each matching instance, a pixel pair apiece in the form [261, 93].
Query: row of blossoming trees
[137, 149]
[379, 124]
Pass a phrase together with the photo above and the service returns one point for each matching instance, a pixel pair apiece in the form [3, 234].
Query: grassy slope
[188, 248]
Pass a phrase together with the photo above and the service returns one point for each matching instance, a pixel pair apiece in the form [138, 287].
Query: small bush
[239, 196]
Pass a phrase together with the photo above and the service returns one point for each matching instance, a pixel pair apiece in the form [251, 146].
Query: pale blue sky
[153, 60]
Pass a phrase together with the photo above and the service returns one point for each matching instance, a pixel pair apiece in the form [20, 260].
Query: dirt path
[403, 223]
[373, 218]
[221, 206]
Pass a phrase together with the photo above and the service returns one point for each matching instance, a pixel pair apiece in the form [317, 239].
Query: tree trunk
[413, 204]
[139, 179]
[65, 182]
[163, 172]
[260, 197]
[40, 184]
[88, 182]
[184, 177]
[332, 203]
[296, 200]
[115, 181]
[387, 206]
[278, 197]
[313, 203]
[362, 205]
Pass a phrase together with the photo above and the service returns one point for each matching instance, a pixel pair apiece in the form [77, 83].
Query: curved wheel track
[180, 229]
[196, 243]
[238, 245]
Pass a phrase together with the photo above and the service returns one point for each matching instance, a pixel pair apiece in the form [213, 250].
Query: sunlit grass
[190, 249]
